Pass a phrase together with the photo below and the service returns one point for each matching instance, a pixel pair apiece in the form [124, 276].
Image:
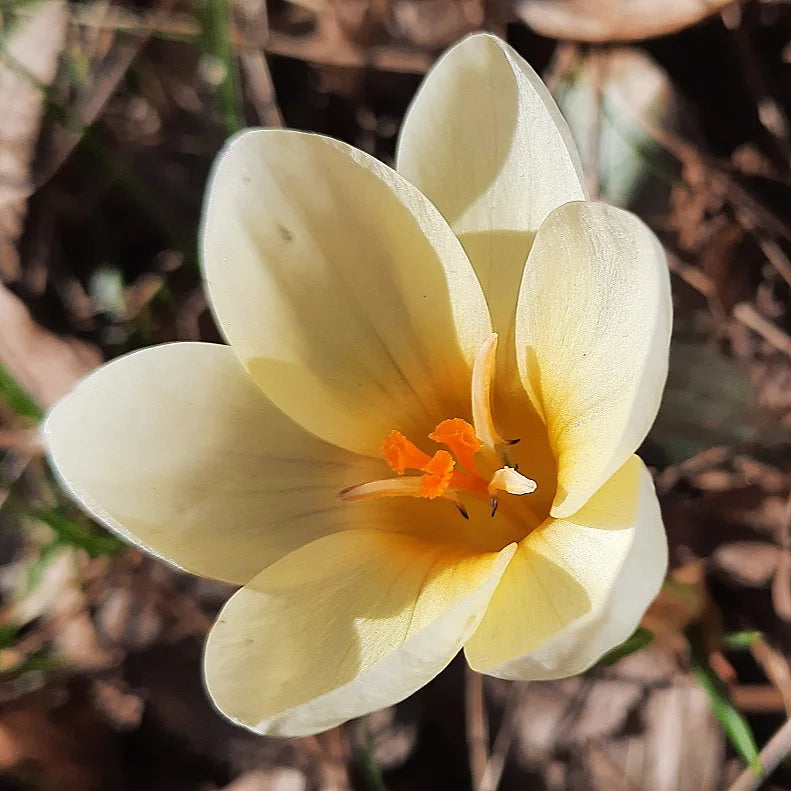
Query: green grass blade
[639, 639]
[43, 661]
[73, 534]
[736, 727]
[740, 641]
[369, 768]
[17, 398]
[215, 18]
[37, 568]
[8, 635]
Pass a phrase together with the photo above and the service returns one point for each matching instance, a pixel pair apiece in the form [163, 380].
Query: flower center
[473, 449]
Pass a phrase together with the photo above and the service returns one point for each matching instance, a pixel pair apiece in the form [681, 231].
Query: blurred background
[111, 112]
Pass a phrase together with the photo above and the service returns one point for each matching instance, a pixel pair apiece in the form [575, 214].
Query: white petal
[346, 625]
[592, 337]
[340, 287]
[576, 587]
[176, 450]
[485, 141]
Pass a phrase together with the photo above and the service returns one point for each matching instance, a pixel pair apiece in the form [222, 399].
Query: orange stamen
[450, 472]
[438, 474]
[460, 480]
[459, 436]
[402, 455]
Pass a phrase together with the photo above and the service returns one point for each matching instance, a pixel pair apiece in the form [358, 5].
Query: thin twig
[493, 771]
[770, 112]
[720, 175]
[560, 68]
[692, 276]
[777, 748]
[256, 69]
[747, 314]
[776, 257]
[781, 584]
[262, 89]
[312, 48]
[776, 668]
[477, 727]
[705, 460]
[75, 120]
[757, 699]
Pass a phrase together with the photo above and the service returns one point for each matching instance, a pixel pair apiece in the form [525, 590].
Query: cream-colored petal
[576, 587]
[592, 338]
[346, 625]
[340, 287]
[176, 450]
[485, 141]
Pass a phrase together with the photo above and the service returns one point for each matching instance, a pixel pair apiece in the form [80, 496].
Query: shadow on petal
[490, 114]
[498, 257]
[344, 625]
[340, 287]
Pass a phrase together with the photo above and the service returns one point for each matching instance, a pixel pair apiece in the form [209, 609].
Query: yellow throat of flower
[473, 464]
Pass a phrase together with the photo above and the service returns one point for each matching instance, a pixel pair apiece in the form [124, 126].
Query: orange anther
[438, 473]
[459, 436]
[401, 454]
[452, 472]
[440, 470]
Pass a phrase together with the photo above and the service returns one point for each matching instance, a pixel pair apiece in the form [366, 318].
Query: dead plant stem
[777, 748]
[477, 728]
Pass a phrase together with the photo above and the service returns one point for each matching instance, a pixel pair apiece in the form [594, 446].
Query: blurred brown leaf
[46, 365]
[668, 757]
[620, 730]
[750, 563]
[58, 741]
[433, 24]
[280, 779]
[28, 64]
[614, 20]
[681, 601]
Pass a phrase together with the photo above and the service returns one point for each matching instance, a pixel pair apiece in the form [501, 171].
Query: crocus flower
[421, 434]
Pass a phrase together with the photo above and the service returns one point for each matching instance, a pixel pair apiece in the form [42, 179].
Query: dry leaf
[681, 601]
[613, 20]
[611, 100]
[434, 24]
[57, 741]
[667, 756]
[57, 582]
[31, 54]
[750, 563]
[57, 599]
[781, 587]
[123, 709]
[280, 779]
[44, 364]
